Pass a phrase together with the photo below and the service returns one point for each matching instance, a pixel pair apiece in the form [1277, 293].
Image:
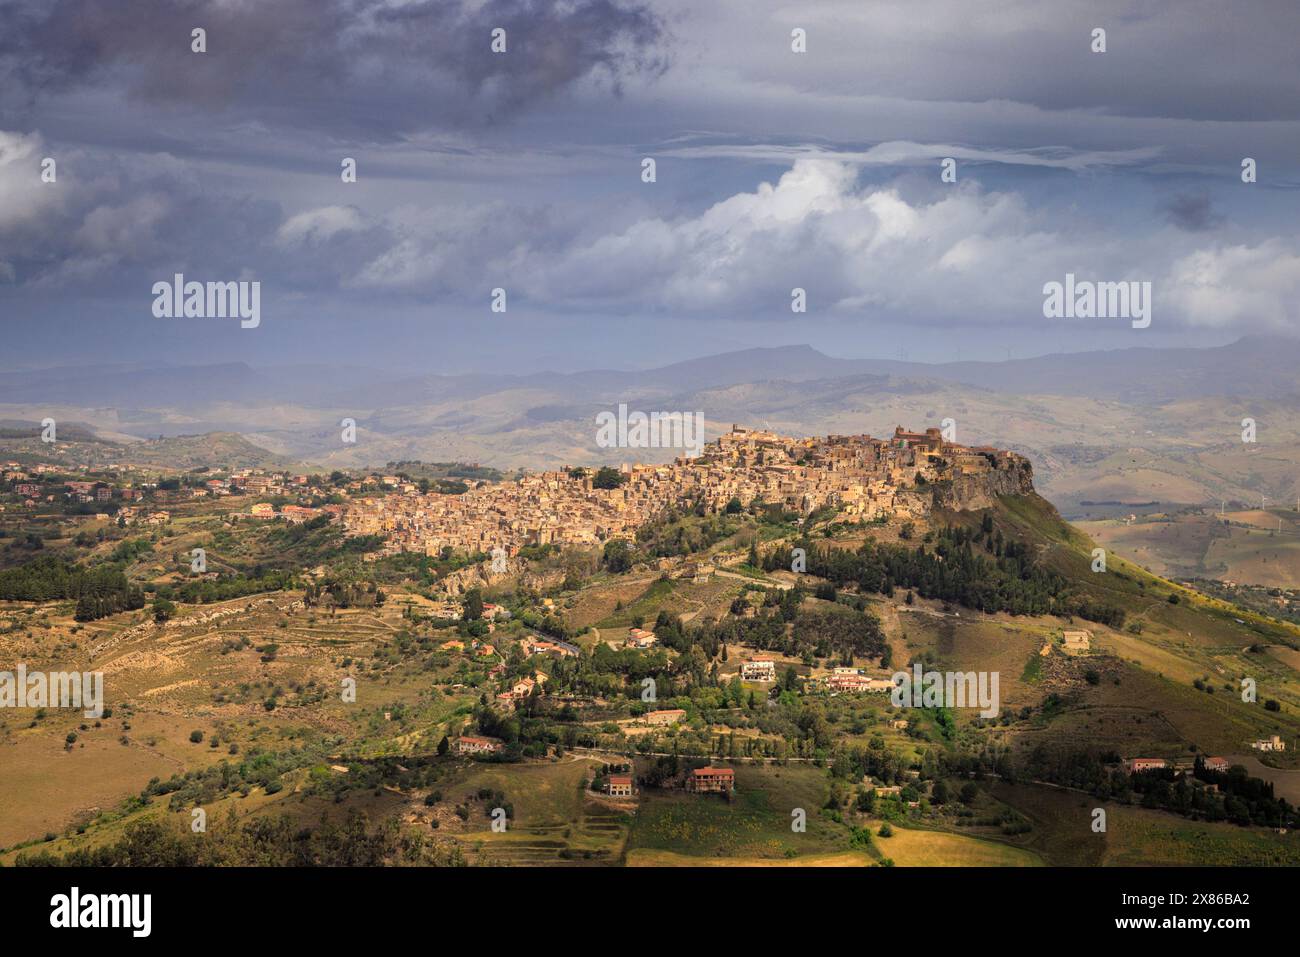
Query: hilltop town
[864, 478]
[653, 652]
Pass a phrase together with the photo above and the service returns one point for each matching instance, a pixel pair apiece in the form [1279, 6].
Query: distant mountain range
[1128, 425]
[1253, 366]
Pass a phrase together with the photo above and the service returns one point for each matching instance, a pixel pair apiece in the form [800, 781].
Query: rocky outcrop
[481, 576]
[1013, 476]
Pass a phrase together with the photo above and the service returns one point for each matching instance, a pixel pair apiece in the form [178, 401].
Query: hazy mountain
[1248, 367]
[1134, 425]
[151, 386]
[1254, 366]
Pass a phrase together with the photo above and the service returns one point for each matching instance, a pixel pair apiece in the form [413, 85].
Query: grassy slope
[1197, 637]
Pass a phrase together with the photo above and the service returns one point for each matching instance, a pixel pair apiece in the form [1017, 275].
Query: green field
[755, 823]
[1063, 834]
[911, 847]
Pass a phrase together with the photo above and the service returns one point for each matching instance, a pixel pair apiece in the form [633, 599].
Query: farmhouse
[640, 638]
[1216, 764]
[665, 717]
[760, 669]
[492, 612]
[1138, 765]
[620, 785]
[704, 780]
[467, 744]
[844, 679]
[448, 610]
[519, 690]
[540, 646]
[523, 687]
[1271, 743]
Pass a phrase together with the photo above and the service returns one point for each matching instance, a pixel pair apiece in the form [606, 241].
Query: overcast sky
[522, 170]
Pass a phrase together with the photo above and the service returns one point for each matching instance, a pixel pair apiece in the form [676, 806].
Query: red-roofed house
[703, 780]
[467, 744]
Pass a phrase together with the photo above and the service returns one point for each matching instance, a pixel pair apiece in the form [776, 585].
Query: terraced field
[554, 823]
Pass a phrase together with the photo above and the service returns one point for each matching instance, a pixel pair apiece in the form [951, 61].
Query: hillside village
[862, 477]
[650, 649]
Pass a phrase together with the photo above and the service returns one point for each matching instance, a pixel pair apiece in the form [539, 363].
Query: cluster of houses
[132, 515]
[481, 649]
[552, 646]
[706, 780]
[534, 645]
[130, 494]
[258, 482]
[1140, 765]
[33, 493]
[454, 611]
[862, 476]
[293, 514]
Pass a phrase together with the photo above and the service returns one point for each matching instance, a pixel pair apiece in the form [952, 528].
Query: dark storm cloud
[327, 64]
[1191, 212]
[523, 171]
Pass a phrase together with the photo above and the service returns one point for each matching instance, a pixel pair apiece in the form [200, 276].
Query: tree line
[99, 591]
[974, 568]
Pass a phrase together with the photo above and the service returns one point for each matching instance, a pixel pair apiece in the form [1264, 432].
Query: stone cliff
[1014, 476]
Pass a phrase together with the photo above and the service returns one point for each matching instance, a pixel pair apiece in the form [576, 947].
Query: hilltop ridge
[861, 477]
